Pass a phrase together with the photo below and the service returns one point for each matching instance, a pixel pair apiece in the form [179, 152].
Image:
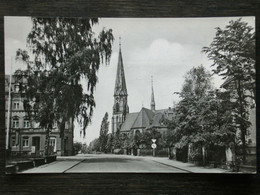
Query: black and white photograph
[130, 95]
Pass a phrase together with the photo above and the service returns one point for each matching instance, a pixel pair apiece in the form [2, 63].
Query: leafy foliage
[233, 54]
[103, 136]
[62, 53]
[77, 146]
[203, 116]
[110, 143]
[94, 145]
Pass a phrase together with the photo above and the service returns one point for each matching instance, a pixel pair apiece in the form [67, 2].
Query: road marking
[74, 165]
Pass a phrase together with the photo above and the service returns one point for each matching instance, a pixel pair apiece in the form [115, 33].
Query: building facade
[24, 135]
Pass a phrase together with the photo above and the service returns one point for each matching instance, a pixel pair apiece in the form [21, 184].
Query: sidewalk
[185, 166]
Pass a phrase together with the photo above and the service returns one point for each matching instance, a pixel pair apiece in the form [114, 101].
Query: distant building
[25, 135]
[131, 123]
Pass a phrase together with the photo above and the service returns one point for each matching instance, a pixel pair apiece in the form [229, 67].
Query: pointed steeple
[120, 108]
[152, 97]
[120, 85]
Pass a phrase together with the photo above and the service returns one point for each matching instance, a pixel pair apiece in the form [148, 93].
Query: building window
[16, 105]
[53, 144]
[16, 88]
[15, 123]
[25, 142]
[26, 124]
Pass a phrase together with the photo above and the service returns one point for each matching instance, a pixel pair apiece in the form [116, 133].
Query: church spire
[120, 108]
[120, 85]
[152, 97]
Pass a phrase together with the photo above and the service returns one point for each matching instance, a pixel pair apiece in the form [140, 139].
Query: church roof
[120, 85]
[156, 119]
[144, 118]
[129, 121]
[161, 111]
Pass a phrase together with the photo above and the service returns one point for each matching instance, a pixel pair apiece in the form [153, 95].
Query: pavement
[111, 163]
[189, 167]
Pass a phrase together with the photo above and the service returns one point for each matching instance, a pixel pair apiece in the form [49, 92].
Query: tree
[62, 53]
[110, 142]
[145, 138]
[233, 54]
[195, 89]
[77, 146]
[134, 140]
[103, 136]
[187, 126]
[94, 145]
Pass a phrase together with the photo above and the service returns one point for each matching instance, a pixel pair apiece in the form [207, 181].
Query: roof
[156, 119]
[120, 85]
[160, 111]
[129, 121]
[227, 82]
[144, 118]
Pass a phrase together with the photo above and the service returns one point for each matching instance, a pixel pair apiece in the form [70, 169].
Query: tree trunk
[47, 141]
[62, 128]
[242, 128]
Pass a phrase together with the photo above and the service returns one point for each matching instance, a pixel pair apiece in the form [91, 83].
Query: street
[110, 163]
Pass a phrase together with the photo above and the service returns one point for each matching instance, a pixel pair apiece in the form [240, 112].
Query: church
[132, 123]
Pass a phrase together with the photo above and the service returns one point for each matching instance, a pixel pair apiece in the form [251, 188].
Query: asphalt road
[109, 163]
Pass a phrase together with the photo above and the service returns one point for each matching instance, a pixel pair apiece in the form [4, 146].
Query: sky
[164, 48]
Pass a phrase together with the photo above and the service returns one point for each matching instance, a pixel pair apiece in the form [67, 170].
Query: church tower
[120, 108]
[152, 97]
